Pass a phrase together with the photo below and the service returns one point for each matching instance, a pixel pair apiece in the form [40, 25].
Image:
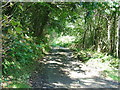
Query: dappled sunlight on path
[62, 70]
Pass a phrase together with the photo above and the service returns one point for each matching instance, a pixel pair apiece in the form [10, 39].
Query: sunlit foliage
[29, 29]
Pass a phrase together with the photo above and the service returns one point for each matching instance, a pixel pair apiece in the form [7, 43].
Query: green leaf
[13, 23]
[18, 29]
[10, 31]
[20, 7]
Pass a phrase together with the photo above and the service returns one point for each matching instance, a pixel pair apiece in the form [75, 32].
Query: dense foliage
[29, 29]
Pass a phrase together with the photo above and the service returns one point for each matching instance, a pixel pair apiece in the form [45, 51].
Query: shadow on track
[61, 70]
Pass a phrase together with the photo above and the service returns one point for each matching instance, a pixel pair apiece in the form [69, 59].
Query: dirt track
[61, 70]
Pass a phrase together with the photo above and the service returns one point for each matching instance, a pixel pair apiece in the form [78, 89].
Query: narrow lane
[62, 70]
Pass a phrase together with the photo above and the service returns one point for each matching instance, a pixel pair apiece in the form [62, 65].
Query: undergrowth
[20, 60]
[108, 64]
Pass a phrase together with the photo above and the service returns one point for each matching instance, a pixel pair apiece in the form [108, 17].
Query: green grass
[19, 85]
[112, 74]
[109, 63]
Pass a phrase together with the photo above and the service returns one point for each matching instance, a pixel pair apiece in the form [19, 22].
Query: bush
[20, 58]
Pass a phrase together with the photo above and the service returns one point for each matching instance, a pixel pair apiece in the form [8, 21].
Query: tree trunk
[84, 36]
[113, 33]
[110, 35]
[98, 34]
[109, 27]
[118, 40]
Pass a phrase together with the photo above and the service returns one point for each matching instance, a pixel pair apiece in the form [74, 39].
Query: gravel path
[61, 70]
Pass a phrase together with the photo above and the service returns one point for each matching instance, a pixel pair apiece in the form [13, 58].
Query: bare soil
[61, 70]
